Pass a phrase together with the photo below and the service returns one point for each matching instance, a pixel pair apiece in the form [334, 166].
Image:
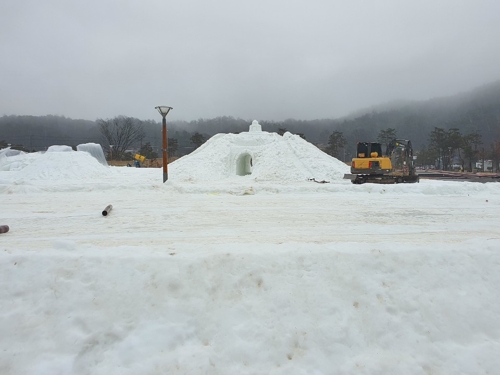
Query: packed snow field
[222, 272]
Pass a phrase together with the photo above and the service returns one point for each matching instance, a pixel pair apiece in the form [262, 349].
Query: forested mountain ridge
[38, 132]
[476, 111]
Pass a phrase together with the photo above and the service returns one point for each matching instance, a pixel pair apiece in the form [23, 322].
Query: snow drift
[260, 156]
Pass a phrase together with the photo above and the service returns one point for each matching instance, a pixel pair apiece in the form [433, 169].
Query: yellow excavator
[372, 166]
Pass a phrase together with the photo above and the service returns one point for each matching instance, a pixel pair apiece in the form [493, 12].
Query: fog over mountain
[477, 110]
[256, 60]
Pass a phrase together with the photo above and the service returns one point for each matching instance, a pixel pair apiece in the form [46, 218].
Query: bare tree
[121, 133]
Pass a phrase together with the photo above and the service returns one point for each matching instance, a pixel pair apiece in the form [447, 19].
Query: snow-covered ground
[266, 273]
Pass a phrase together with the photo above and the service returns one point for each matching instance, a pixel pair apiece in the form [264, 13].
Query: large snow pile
[260, 156]
[353, 279]
[345, 283]
[57, 163]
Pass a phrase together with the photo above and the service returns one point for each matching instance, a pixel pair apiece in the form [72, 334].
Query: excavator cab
[365, 149]
[371, 165]
[370, 160]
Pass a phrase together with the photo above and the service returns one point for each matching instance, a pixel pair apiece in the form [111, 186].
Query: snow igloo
[257, 155]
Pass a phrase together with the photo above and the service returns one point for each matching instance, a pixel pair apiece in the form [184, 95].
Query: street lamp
[163, 109]
[111, 152]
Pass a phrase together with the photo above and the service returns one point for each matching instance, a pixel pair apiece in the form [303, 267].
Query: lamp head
[163, 109]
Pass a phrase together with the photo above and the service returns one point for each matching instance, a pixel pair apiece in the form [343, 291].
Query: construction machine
[371, 165]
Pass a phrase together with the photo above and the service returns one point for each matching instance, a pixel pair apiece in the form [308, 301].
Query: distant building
[488, 165]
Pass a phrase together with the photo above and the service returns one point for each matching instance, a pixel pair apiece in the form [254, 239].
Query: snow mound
[59, 148]
[260, 156]
[64, 165]
[14, 160]
[8, 152]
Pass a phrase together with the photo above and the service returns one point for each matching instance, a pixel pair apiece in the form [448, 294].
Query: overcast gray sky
[259, 59]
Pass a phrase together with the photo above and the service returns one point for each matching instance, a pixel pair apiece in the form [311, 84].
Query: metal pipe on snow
[107, 210]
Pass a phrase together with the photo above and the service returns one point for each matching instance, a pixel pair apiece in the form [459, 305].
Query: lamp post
[111, 152]
[163, 109]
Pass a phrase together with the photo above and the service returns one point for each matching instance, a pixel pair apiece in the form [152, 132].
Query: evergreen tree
[386, 136]
[470, 144]
[198, 139]
[173, 146]
[336, 141]
[147, 151]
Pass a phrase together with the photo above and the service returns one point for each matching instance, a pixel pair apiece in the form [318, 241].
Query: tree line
[445, 148]
[463, 128]
[37, 133]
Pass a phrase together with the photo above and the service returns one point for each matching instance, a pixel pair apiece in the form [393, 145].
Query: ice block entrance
[244, 164]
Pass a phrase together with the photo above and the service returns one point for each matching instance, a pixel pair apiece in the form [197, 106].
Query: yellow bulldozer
[372, 166]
